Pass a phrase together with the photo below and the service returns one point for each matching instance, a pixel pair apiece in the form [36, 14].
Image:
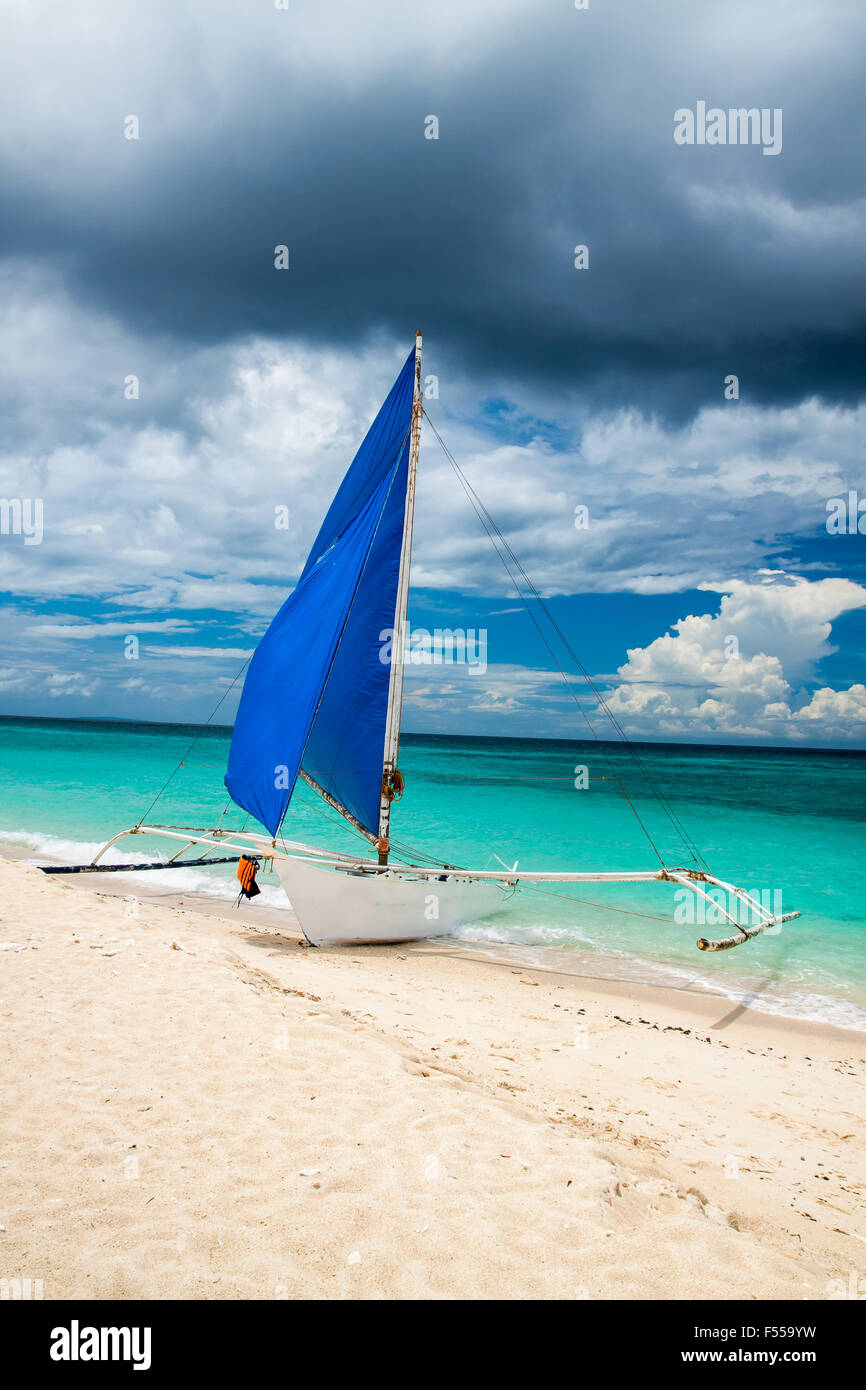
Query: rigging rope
[605, 907]
[201, 730]
[492, 531]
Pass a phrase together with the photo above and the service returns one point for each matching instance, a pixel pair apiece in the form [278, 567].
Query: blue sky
[704, 595]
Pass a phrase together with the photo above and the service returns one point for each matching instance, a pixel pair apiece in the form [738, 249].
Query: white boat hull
[339, 908]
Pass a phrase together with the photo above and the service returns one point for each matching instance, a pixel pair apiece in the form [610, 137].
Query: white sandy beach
[197, 1105]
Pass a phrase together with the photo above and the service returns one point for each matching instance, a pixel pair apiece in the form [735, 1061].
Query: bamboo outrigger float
[318, 695]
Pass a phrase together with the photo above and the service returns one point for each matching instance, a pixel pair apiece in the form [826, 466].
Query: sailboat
[322, 704]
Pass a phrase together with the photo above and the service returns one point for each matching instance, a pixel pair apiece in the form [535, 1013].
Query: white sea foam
[544, 946]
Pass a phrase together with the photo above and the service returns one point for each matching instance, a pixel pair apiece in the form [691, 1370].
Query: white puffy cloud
[736, 672]
[836, 710]
[458, 695]
[12, 679]
[71, 683]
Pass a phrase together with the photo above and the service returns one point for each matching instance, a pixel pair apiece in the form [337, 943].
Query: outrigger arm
[290, 849]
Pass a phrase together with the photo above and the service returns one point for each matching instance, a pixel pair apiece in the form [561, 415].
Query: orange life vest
[247, 870]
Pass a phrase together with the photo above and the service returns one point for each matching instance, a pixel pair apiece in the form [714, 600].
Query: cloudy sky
[704, 592]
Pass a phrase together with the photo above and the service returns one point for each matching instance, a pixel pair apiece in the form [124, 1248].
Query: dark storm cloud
[556, 128]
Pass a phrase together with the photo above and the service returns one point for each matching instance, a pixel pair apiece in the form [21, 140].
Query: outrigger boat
[322, 704]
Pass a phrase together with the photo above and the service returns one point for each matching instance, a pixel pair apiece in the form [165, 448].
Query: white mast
[395, 681]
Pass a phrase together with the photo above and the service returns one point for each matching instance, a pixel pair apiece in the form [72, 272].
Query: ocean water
[787, 824]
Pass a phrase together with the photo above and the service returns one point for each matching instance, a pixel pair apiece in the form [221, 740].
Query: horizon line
[419, 733]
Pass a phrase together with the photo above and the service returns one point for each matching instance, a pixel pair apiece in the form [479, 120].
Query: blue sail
[316, 693]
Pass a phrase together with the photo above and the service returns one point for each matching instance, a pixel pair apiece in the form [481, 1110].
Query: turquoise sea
[786, 823]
